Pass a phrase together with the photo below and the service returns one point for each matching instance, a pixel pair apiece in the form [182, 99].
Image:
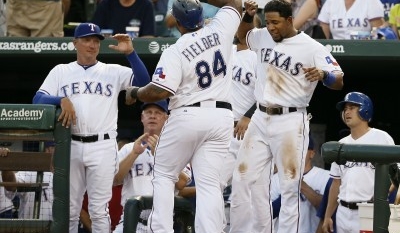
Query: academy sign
[21, 114]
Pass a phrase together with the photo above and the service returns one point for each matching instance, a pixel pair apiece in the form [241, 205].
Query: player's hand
[124, 44]
[140, 144]
[241, 128]
[251, 7]
[313, 74]
[327, 226]
[68, 115]
[152, 142]
[128, 98]
[4, 151]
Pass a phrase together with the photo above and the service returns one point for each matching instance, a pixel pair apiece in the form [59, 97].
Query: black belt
[91, 138]
[218, 104]
[275, 110]
[143, 221]
[350, 205]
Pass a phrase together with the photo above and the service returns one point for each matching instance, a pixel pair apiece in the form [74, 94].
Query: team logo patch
[160, 73]
[332, 61]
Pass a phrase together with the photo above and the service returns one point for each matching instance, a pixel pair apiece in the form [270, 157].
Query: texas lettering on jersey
[281, 61]
[87, 87]
[240, 75]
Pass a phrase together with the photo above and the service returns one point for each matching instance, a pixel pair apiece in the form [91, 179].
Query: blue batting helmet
[189, 13]
[386, 33]
[366, 108]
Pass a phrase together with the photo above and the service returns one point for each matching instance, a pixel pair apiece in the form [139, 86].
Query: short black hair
[283, 7]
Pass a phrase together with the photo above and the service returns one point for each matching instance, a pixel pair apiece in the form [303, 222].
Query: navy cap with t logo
[88, 29]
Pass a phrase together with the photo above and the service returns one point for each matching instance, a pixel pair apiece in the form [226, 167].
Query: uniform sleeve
[324, 14]
[325, 61]
[375, 9]
[168, 73]
[335, 171]
[140, 75]
[50, 84]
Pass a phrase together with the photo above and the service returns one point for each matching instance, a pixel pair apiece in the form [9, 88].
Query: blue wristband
[329, 78]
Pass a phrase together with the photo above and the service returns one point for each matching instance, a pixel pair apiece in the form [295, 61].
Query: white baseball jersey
[244, 78]
[342, 22]
[5, 201]
[27, 199]
[138, 182]
[198, 66]
[352, 174]
[84, 87]
[280, 78]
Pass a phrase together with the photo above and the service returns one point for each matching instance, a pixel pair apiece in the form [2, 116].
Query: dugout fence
[37, 123]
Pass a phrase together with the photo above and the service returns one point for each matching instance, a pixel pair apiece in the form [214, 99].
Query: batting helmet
[386, 33]
[366, 108]
[189, 13]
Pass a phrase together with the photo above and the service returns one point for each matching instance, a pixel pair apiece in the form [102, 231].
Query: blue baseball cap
[161, 104]
[88, 29]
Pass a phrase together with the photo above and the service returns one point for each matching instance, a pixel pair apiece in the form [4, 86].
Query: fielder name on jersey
[197, 48]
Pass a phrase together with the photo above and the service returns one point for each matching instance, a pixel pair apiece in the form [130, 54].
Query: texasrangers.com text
[37, 47]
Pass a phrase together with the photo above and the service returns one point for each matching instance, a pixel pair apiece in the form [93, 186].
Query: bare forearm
[332, 199]
[313, 197]
[152, 93]
[124, 167]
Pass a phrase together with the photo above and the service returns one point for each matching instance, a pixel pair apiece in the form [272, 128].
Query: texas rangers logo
[159, 72]
[332, 61]
[92, 26]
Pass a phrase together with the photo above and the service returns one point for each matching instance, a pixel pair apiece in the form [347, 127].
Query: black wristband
[248, 18]
[251, 111]
[204, 1]
[134, 92]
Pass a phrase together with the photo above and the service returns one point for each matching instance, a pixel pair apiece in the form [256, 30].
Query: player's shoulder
[385, 136]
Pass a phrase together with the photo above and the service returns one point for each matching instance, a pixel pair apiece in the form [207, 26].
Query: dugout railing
[381, 156]
[28, 122]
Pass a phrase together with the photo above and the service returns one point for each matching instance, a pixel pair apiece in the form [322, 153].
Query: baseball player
[87, 91]
[195, 73]
[6, 205]
[137, 162]
[339, 19]
[356, 111]
[290, 64]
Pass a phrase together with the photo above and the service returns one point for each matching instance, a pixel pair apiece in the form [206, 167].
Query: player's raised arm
[141, 76]
[247, 24]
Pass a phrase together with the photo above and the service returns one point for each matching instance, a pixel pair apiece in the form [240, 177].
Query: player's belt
[218, 104]
[91, 138]
[276, 110]
[350, 205]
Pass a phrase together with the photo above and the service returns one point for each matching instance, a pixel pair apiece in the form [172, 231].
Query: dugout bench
[19, 122]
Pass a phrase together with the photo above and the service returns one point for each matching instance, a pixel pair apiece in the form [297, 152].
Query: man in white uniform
[340, 18]
[87, 91]
[353, 182]
[290, 64]
[137, 162]
[195, 73]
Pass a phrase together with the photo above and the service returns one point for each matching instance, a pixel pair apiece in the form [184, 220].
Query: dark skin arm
[251, 8]
[148, 93]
